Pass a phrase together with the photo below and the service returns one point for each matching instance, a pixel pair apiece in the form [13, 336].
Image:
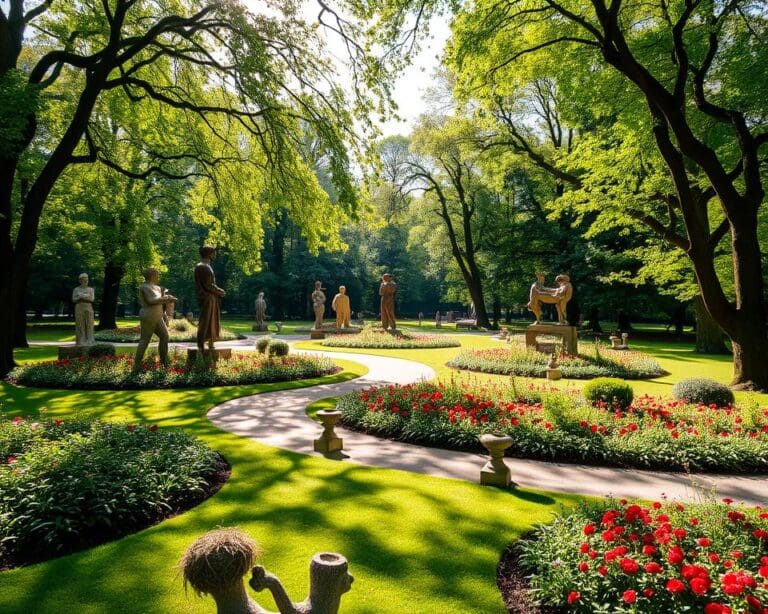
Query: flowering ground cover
[110, 372]
[517, 359]
[381, 339]
[68, 484]
[179, 330]
[651, 433]
[662, 557]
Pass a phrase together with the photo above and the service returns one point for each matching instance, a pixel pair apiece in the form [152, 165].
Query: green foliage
[682, 558]
[278, 347]
[561, 427]
[610, 392]
[519, 359]
[262, 343]
[381, 339]
[178, 331]
[18, 99]
[116, 372]
[703, 390]
[100, 350]
[63, 482]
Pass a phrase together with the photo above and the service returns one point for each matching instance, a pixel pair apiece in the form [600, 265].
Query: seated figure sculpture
[558, 296]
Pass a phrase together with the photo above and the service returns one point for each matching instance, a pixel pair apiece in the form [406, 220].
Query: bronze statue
[340, 305]
[83, 297]
[318, 305]
[558, 296]
[387, 291]
[208, 295]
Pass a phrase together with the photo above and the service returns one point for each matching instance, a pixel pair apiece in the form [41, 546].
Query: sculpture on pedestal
[153, 300]
[261, 310]
[83, 297]
[318, 305]
[340, 304]
[558, 296]
[387, 291]
[208, 298]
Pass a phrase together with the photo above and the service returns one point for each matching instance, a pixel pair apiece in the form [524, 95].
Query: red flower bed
[663, 557]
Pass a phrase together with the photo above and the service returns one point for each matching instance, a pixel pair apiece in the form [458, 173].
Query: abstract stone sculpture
[387, 291]
[558, 296]
[83, 297]
[216, 563]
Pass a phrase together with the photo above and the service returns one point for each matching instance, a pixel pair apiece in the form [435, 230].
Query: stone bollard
[615, 342]
[495, 472]
[329, 441]
[553, 372]
[279, 326]
[216, 563]
[625, 341]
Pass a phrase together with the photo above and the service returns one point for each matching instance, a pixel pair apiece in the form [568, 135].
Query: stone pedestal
[554, 374]
[329, 441]
[568, 333]
[316, 334]
[73, 351]
[495, 472]
[210, 355]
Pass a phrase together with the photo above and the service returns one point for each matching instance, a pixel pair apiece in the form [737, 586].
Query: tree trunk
[20, 320]
[709, 336]
[496, 311]
[750, 368]
[113, 275]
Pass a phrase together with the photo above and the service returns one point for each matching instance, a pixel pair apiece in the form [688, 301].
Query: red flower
[716, 608]
[573, 597]
[675, 555]
[700, 585]
[584, 567]
[653, 567]
[675, 585]
[629, 596]
[649, 550]
[131, 427]
[153, 428]
[704, 542]
[649, 592]
[11, 460]
[754, 604]
[629, 566]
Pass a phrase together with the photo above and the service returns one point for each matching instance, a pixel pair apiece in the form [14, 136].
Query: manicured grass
[415, 543]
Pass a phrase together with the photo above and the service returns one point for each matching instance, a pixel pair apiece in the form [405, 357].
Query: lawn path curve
[278, 419]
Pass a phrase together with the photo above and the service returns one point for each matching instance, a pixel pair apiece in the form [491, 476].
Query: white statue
[153, 299]
[83, 298]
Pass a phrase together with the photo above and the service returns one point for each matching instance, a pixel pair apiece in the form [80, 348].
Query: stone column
[329, 441]
[495, 472]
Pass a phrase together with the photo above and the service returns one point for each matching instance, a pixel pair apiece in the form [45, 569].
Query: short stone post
[329, 441]
[624, 340]
[615, 342]
[553, 372]
[279, 326]
[495, 472]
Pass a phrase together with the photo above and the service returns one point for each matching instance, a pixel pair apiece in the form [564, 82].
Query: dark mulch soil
[182, 503]
[512, 580]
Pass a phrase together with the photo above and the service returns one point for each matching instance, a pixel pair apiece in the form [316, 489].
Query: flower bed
[669, 435]
[664, 557]
[112, 372]
[65, 485]
[521, 360]
[178, 330]
[381, 339]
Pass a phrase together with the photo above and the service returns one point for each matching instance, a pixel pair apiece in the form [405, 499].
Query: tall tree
[251, 79]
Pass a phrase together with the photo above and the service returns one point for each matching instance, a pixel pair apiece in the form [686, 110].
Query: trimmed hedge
[703, 390]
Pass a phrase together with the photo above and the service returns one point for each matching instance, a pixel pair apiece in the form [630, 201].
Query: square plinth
[214, 355]
[554, 374]
[316, 334]
[259, 328]
[324, 446]
[568, 334]
[492, 478]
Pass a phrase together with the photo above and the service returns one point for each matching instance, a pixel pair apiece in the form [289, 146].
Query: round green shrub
[263, 343]
[99, 350]
[609, 390]
[704, 391]
[278, 347]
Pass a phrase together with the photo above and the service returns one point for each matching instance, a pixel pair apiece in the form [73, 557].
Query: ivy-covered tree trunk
[709, 336]
[113, 276]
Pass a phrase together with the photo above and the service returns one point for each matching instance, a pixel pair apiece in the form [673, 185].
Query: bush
[278, 347]
[609, 391]
[116, 372]
[180, 330]
[657, 558]
[262, 343]
[99, 350]
[517, 359]
[703, 390]
[651, 433]
[64, 482]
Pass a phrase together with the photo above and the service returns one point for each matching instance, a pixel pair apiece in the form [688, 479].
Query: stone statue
[438, 320]
[83, 297]
[318, 305]
[261, 310]
[387, 291]
[208, 295]
[216, 563]
[153, 300]
[340, 304]
[558, 296]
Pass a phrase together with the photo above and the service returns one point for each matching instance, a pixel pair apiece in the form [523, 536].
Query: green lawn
[415, 543]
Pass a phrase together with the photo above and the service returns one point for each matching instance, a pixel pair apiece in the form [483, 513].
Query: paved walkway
[278, 419]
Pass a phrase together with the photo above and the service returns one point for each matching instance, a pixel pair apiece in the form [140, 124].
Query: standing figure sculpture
[83, 297]
[153, 300]
[208, 295]
[318, 305]
[387, 291]
[261, 310]
[558, 297]
[340, 304]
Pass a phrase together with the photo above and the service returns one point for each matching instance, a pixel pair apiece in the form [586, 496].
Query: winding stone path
[278, 419]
